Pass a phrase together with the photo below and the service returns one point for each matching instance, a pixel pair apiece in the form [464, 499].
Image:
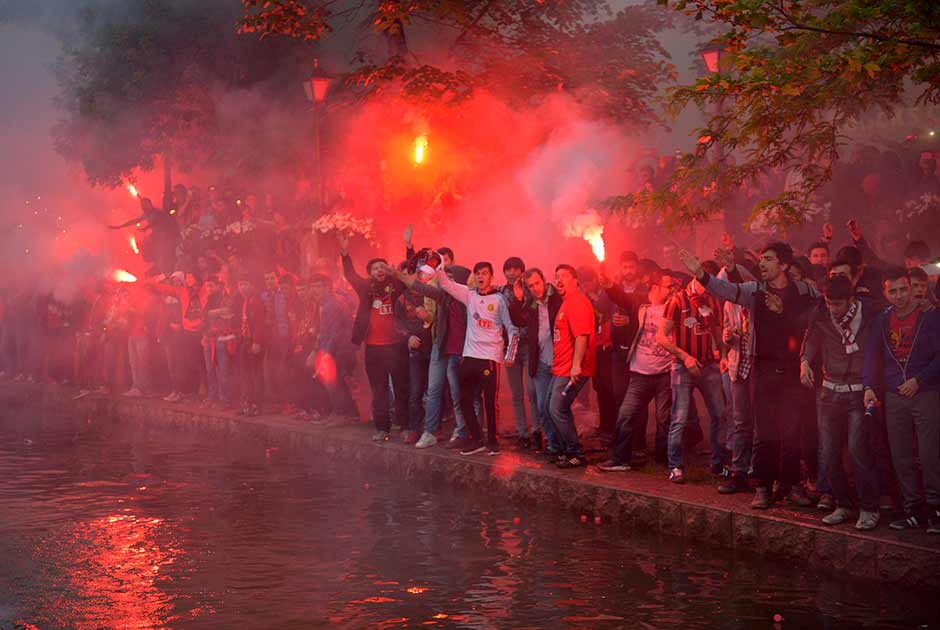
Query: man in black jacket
[534, 308]
[837, 335]
[380, 323]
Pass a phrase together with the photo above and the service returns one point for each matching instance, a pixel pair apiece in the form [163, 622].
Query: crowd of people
[797, 359]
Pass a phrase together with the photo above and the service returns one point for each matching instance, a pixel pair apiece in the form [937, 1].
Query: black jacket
[367, 290]
[525, 314]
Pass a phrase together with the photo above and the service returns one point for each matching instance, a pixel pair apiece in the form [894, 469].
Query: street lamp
[316, 88]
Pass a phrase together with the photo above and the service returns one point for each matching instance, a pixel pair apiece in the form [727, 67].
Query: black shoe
[735, 483]
[549, 454]
[524, 444]
[458, 443]
[721, 470]
[577, 461]
[933, 522]
[473, 449]
[535, 442]
[910, 521]
[492, 450]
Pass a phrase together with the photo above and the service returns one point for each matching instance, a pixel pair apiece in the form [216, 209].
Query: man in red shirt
[573, 363]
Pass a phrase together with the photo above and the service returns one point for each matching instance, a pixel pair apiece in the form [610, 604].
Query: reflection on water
[107, 524]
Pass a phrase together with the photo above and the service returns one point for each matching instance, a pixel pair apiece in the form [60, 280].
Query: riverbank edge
[518, 478]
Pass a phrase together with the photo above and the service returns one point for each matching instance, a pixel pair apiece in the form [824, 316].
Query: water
[105, 524]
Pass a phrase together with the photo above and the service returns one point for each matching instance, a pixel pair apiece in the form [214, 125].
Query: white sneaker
[839, 516]
[133, 393]
[867, 520]
[173, 397]
[427, 440]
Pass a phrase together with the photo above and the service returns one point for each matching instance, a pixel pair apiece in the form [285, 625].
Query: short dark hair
[482, 265]
[783, 251]
[372, 262]
[586, 274]
[711, 267]
[818, 245]
[568, 268]
[841, 262]
[892, 274]
[656, 277]
[629, 256]
[533, 271]
[446, 251]
[514, 262]
[851, 255]
[917, 249]
[918, 273]
[839, 288]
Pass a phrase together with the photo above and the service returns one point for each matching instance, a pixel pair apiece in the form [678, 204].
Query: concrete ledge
[634, 500]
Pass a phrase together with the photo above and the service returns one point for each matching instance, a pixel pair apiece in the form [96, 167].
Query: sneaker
[254, 411]
[523, 444]
[885, 502]
[81, 394]
[839, 516]
[721, 471]
[867, 520]
[173, 397]
[797, 496]
[380, 436]
[735, 483]
[549, 454]
[427, 440]
[410, 437]
[676, 476]
[133, 393]
[761, 499]
[493, 450]
[576, 461]
[826, 503]
[458, 443]
[101, 389]
[933, 522]
[612, 466]
[473, 449]
[910, 521]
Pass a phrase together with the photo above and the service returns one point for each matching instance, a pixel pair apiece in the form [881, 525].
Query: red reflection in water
[116, 570]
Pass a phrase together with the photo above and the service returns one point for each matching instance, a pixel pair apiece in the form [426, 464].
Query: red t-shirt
[575, 318]
[901, 334]
[382, 322]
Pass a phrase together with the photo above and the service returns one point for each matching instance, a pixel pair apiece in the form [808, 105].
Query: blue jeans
[543, 390]
[418, 372]
[441, 368]
[559, 406]
[225, 372]
[521, 383]
[212, 372]
[709, 385]
[742, 425]
[842, 422]
[138, 353]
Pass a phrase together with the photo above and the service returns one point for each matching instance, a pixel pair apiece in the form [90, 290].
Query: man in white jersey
[483, 351]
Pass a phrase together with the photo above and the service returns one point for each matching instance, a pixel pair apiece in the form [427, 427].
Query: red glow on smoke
[325, 368]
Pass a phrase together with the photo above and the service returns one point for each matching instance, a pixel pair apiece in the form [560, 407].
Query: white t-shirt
[650, 357]
[487, 315]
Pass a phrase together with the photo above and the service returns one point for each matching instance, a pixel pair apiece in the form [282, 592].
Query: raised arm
[458, 291]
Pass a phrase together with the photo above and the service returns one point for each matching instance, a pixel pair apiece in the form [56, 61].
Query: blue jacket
[923, 363]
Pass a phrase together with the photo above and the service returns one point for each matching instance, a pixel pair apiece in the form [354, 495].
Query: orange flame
[132, 190]
[589, 226]
[421, 149]
[133, 241]
[119, 275]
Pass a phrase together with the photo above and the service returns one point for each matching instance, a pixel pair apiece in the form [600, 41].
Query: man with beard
[780, 311]
[380, 324]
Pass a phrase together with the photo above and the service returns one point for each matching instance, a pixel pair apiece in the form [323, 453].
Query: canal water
[109, 524]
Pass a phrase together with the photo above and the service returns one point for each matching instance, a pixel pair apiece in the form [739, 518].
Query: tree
[140, 82]
[798, 74]
[518, 49]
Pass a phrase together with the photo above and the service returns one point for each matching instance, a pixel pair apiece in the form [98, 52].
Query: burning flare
[421, 149]
[133, 241]
[589, 226]
[132, 190]
[119, 275]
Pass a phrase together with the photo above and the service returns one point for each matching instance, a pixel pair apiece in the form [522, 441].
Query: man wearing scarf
[836, 337]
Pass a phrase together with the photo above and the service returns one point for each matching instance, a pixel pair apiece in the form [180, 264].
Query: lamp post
[316, 88]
